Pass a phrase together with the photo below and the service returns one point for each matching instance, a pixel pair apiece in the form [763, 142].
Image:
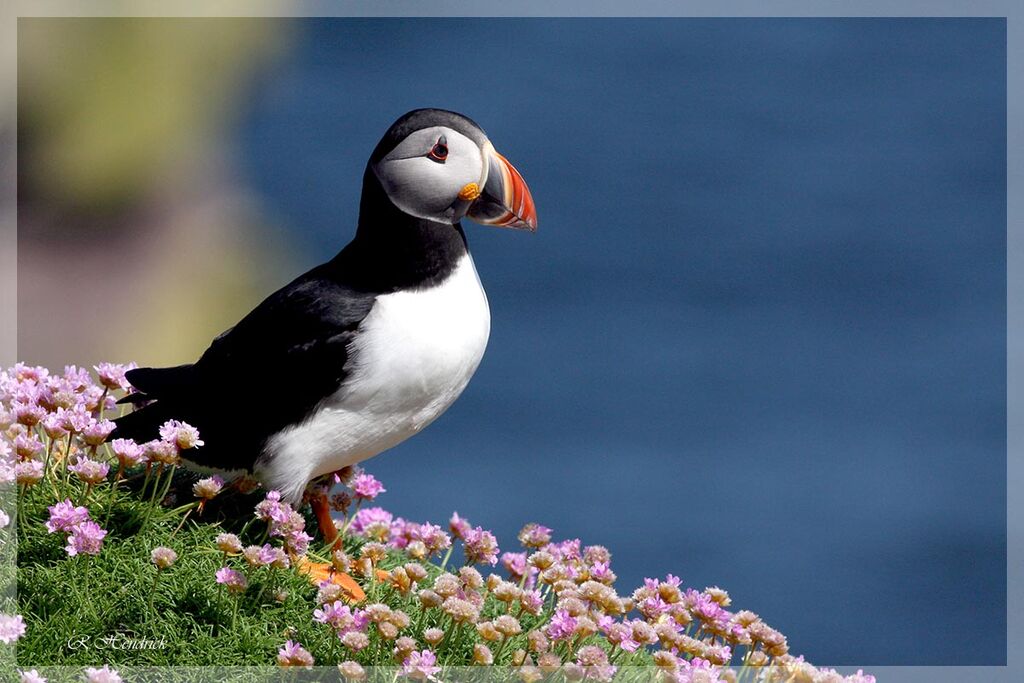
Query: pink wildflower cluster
[284, 523]
[556, 609]
[84, 536]
[54, 426]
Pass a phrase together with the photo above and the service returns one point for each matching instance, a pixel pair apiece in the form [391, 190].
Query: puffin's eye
[439, 152]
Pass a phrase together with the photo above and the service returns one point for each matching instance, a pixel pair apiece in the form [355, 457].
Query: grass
[82, 610]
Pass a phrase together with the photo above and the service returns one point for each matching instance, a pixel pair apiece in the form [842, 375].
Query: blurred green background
[130, 211]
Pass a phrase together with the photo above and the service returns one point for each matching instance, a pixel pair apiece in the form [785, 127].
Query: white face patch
[424, 187]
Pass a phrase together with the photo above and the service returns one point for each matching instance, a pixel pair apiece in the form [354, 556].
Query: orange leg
[322, 510]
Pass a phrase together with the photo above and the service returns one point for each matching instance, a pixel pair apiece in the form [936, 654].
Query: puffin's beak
[505, 200]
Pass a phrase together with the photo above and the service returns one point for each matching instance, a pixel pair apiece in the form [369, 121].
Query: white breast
[413, 355]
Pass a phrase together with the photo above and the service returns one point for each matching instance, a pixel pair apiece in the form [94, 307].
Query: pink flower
[297, 541]
[515, 564]
[90, 471]
[293, 654]
[272, 510]
[53, 425]
[28, 414]
[535, 535]
[420, 665]
[76, 420]
[459, 526]
[28, 472]
[561, 626]
[341, 618]
[104, 675]
[86, 539]
[366, 487]
[208, 488]
[481, 547]
[64, 516]
[163, 557]
[181, 434]
[370, 516]
[127, 451]
[97, 432]
[30, 676]
[112, 375]
[27, 446]
[12, 627]
[696, 670]
[234, 580]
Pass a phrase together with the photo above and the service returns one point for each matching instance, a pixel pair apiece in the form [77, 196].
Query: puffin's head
[439, 166]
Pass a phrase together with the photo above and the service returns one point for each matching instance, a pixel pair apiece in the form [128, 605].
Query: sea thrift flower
[481, 547]
[228, 543]
[420, 665]
[27, 446]
[459, 526]
[595, 663]
[30, 676]
[515, 564]
[28, 414]
[367, 518]
[482, 655]
[561, 626]
[352, 671]
[64, 516]
[90, 471]
[234, 580]
[208, 488]
[104, 675]
[128, 452]
[161, 452]
[181, 434]
[293, 654]
[53, 425]
[86, 539]
[112, 375]
[354, 640]
[535, 536]
[366, 487]
[75, 420]
[163, 557]
[97, 432]
[433, 636]
[28, 472]
[12, 627]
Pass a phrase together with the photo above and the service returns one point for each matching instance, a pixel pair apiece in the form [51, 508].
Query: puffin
[364, 351]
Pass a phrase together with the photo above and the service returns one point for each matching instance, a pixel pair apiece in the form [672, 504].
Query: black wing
[265, 373]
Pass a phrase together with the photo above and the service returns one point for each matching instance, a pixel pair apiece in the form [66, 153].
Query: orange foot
[319, 572]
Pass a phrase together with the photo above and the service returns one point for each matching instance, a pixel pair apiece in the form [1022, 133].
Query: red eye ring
[439, 152]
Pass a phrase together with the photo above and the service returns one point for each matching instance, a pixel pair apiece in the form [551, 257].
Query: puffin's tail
[159, 385]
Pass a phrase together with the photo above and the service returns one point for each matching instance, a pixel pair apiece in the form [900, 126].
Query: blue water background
[759, 338]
